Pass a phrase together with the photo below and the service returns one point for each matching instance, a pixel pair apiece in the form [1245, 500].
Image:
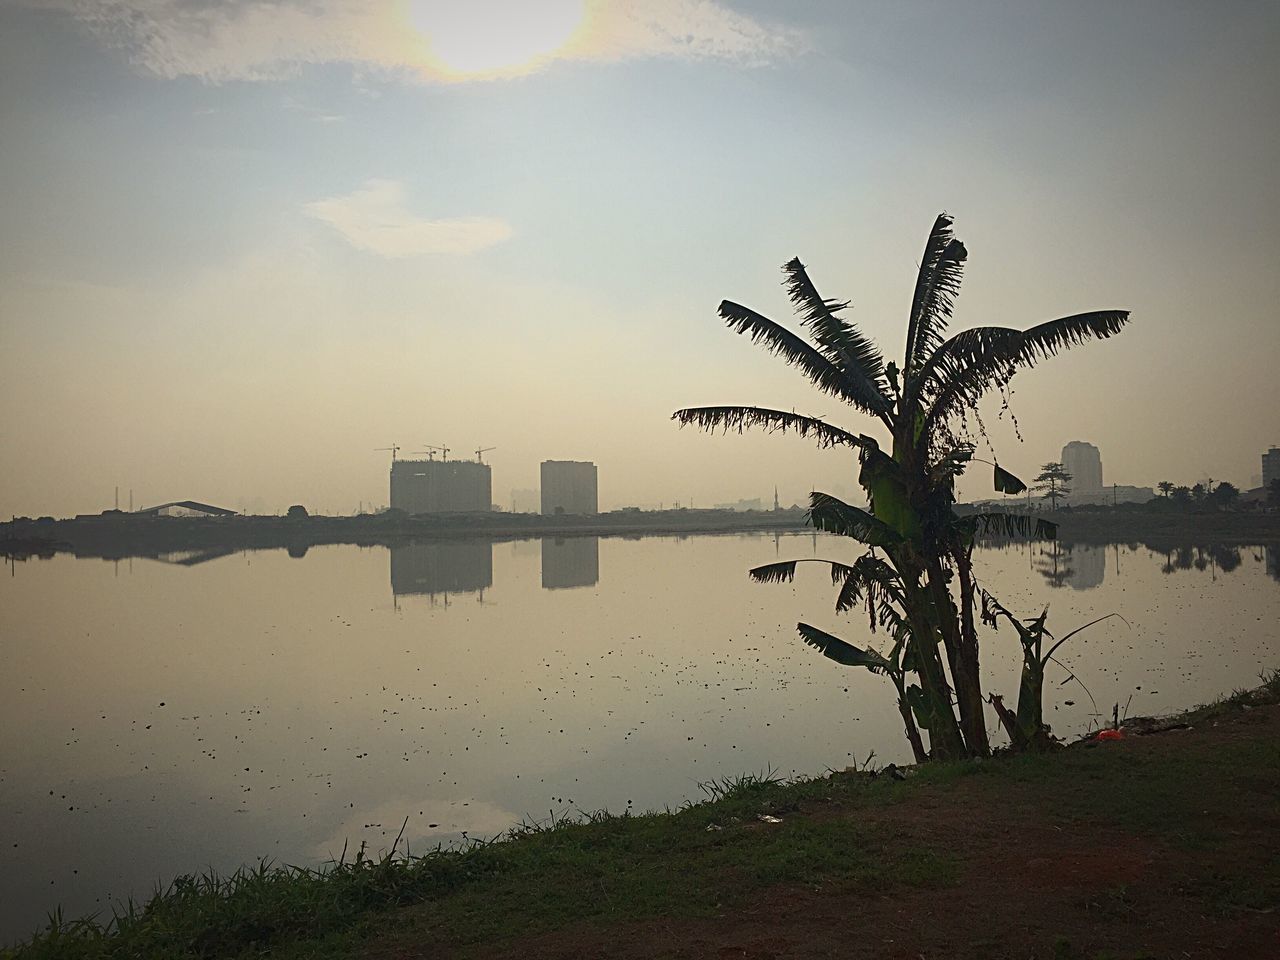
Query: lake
[163, 717]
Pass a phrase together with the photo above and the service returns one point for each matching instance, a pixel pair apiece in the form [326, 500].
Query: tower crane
[394, 448]
[430, 451]
[481, 451]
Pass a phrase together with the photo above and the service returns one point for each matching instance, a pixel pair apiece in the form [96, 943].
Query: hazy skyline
[248, 242]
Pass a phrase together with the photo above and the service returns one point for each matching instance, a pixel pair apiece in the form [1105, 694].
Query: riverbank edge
[119, 537]
[334, 910]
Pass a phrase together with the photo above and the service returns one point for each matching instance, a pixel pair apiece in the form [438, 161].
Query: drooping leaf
[780, 421]
[783, 572]
[1009, 525]
[833, 648]
[832, 515]
[839, 339]
[794, 350]
[1006, 482]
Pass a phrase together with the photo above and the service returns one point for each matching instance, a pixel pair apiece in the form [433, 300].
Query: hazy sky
[246, 242]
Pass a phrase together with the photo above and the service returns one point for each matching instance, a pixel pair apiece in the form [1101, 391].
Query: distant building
[569, 486]
[1116, 493]
[441, 486]
[1270, 466]
[184, 508]
[1084, 463]
[742, 506]
[525, 501]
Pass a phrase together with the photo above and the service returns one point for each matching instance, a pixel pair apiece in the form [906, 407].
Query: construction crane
[429, 451]
[483, 450]
[394, 448]
[429, 454]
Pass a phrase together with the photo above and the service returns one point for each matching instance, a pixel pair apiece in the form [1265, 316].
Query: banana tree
[1027, 729]
[910, 482]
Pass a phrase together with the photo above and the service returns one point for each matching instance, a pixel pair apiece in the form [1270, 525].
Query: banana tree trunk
[964, 673]
[909, 723]
[945, 740]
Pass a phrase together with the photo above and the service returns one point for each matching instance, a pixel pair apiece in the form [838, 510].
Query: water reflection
[570, 562]
[441, 567]
[204, 714]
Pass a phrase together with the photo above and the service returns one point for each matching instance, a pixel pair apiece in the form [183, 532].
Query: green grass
[694, 861]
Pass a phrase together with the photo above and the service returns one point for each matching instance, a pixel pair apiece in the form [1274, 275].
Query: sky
[247, 243]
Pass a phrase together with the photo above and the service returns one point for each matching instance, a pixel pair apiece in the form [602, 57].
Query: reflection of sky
[262, 705]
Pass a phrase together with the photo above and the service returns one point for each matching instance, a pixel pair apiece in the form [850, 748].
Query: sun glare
[491, 37]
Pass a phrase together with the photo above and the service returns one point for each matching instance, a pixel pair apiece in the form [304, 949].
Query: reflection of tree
[1054, 564]
[1271, 553]
[1226, 557]
[1218, 556]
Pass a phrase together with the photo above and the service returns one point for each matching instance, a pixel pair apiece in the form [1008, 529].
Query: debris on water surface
[767, 818]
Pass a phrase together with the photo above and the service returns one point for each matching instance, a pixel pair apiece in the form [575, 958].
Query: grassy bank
[1164, 835]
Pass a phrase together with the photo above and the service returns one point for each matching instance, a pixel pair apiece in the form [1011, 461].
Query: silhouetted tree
[297, 512]
[1052, 483]
[1198, 492]
[1181, 495]
[1165, 487]
[917, 579]
[1225, 494]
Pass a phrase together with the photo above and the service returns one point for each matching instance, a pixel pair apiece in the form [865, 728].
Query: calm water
[161, 718]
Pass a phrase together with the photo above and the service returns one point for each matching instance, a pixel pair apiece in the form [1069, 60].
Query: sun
[475, 38]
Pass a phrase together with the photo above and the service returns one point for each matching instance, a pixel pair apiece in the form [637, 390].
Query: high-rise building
[569, 486]
[441, 486]
[1084, 463]
[1270, 466]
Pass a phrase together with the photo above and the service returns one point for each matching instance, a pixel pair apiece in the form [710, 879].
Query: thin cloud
[375, 219]
[257, 40]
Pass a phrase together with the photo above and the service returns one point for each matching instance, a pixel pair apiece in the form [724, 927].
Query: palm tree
[919, 566]
[1165, 487]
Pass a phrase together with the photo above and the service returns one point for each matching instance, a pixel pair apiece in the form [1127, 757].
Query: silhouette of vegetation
[1052, 483]
[1165, 487]
[297, 512]
[919, 566]
[1027, 729]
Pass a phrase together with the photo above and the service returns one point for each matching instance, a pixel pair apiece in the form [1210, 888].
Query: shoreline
[118, 536]
[848, 837]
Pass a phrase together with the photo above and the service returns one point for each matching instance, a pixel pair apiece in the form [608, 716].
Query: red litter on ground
[1110, 735]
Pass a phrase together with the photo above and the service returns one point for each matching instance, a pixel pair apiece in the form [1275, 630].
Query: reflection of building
[1088, 567]
[446, 566]
[570, 562]
[1084, 463]
[1270, 466]
[525, 501]
[441, 486]
[569, 486]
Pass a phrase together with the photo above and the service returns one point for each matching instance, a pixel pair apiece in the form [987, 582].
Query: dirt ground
[1039, 876]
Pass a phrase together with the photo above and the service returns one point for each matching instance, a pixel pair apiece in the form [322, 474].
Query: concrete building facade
[1084, 463]
[569, 486]
[441, 486]
[1270, 466]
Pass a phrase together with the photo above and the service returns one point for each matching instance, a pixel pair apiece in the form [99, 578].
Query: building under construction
[569, 486]
[441, 486]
